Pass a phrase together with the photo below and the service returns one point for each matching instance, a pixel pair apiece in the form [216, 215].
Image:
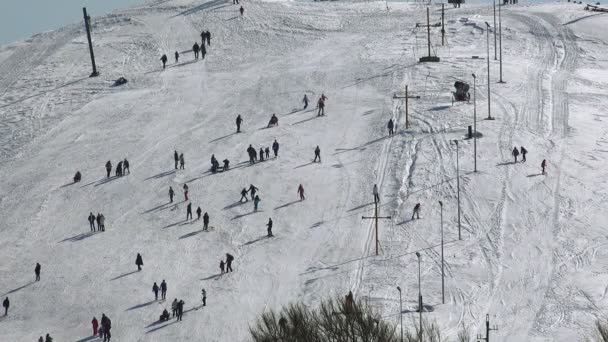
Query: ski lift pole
[87, 24]
[406, 97]
[375, 218]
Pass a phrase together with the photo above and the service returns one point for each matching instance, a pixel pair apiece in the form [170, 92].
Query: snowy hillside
[534, 249]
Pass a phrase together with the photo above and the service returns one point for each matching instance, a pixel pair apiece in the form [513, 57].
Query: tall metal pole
[419, 298]
[407, 117]
[500, 40]
[458, 187]
[495, 53]
[428, 29]
[87, 21]
[474, 123]
[400, 312]
[376, 215]
[488, 57]
[442, 24]
[442, 263]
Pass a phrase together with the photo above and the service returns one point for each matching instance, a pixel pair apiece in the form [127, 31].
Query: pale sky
[19, 19]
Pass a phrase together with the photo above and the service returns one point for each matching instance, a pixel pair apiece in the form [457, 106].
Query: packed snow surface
[534, 248]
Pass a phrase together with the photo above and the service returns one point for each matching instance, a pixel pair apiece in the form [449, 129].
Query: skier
[48, 338]
[239, 121]
[515, 153]
[182, 162]
[275, 148]
[253, 190]
[106, 325]
[229, 259]
[164, 316]
[180, 309]
[206, 221]
[301, 192]
[244, 195]
[254, 152]
[198, 213]
[256, 201]
[305, 100]
[203, 36]
[226, 164]
[203, 51]
[176, 57]
[176, 157]
[163, 289]
[95, 326]
[171, 193]
[222, 266]
[98, 219]
[261, 154]
[189, 211]
[523, 154]
[543, 165]
[376, 196]
[317, 154]
[164, 60]
[6, 303]
[251, 152]
[274, 121]
[108, 169]
[37, 271]
[416, 211]
[125, 167]
[185, 192]
[119, 169]
[204, 294]
[208, 35]
[174, 307]
[269, 225]
[102, 222]
[242, 10]
[155, 290]
[77, 177]
[321, 106]
[390, 127]
[92, 221]
[195, 48]
[139, 261]
[267, 151]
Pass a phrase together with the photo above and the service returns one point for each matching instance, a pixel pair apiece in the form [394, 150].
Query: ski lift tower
[428, 25]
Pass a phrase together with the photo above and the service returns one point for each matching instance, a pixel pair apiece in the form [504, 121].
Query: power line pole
[375, 218]
[406, 97]
[500, 40]
[488, 57]
[474, 123]
[442, 263]
[495, 53]
[87, 24]
[488, 329]
[428, 25]
[458, 187]
[419, 298]
[442, 24]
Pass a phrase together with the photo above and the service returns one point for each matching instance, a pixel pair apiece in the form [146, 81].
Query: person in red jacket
[95, 326]
[301, 192]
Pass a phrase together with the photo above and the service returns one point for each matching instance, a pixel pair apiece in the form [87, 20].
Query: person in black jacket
[195, 48]
[163, 289]
[155, 289]
[189, 211]
[37, 271]
[199, 211]
[239, 121]
[176, 158]
[164, 60]
[176, 57]
[92, 221]
[229, 259]
[275, 148]
[203, 51]
[106, 325]
[108, 169]
[205, 221]
[139, 261]
[269, 225]
[6, 303]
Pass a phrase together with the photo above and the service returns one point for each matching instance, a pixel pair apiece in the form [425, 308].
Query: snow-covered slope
[533, 249]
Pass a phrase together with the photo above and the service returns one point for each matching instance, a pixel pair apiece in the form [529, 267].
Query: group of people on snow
[199, 50]
[122, 168]
[100, 219]
[179, 160]
[162, 288]
[102, 331]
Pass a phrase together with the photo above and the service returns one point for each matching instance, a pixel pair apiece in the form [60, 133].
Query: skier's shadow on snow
[306, 120]
[255, 240]
[224, 137]
[233, 205]
[287, 204]
[303, 165]
[175, 224]
[107, 180]
[66, 185]
[19, 288]
[90, 338]
[124, 275]
[162, 207]
[360, 207]
[138, 306]
[505, 163]
[534, 175]
[160, 327]
[191, 234]
[79, 237]
[215, 276]
[247, 214]
[161, 175]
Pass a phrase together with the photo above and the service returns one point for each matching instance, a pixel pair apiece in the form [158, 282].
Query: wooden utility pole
[488, 329]
[406, 97]
[87, 24]
[442, 24]
[375, 218]
[428, 25]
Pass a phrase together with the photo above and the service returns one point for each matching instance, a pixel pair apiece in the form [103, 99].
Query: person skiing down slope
[275, 148]
[204, 295]
[301, 192]
[269, 225]
[317, 154]
[376, 195]
[305, 100]
[164, 60]
[139, 261]
[416, 211]
[239, 121]
[543, 165]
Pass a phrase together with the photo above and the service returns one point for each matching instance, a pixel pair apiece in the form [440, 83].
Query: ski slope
[533, 253]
